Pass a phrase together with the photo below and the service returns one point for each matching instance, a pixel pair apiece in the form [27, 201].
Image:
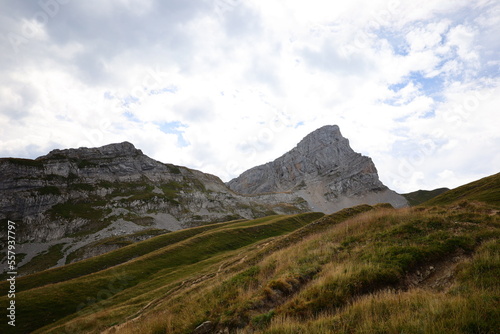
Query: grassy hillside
[367, 269]
[484, 190]
[107, 260]
[379, 271]
[122, 275]
[421, 196]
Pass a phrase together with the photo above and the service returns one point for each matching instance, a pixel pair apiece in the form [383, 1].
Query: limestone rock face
[322, 169]
[63, 187]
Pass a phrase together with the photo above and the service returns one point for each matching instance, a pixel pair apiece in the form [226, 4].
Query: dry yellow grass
[468, 307]
[350, 278]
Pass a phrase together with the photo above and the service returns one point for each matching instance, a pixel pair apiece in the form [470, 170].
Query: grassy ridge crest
[485, 190]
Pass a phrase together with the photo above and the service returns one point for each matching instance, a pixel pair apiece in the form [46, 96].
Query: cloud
[225, 85]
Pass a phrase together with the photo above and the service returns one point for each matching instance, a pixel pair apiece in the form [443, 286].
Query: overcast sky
[225, 85]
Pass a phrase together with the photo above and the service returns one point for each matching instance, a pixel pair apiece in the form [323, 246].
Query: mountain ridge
[77, 203]
[74, 198]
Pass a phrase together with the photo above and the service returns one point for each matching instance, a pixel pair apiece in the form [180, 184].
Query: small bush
[261, 321]
[82, 186]
[25, 162]
[173, 169]
[85, 164]
[49, 190]
[280, 285]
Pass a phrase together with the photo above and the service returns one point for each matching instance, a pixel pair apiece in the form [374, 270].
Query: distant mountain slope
[322, 169]
[420, 196]
[484, 190]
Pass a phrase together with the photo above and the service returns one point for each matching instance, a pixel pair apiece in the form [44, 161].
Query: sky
[225, 85]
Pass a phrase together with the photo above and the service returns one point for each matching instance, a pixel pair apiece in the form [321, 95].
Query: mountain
[421, 196]
[75, 203]
[365, 269]
[324, 170]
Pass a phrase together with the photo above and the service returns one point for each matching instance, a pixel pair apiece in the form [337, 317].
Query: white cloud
[427, 37]
[462, 37]
[225, 85]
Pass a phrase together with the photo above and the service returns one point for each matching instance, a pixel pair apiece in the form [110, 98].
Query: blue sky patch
[429, 86]
[396, 40]
[174, 128]
[129, 100]
[131, 117]
[398, 86]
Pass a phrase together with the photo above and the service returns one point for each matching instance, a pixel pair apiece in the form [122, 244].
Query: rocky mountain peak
[326, 148]
[325, 135]
[324, 170]
[323, 152]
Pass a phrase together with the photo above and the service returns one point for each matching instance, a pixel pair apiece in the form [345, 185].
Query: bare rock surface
[324, 170]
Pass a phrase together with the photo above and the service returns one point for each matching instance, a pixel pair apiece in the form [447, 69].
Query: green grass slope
[46, 297]
[107, 260]
[484, 190]
[420, 196]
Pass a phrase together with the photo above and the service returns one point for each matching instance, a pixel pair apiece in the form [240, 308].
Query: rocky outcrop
[322, 169]
[57, 193]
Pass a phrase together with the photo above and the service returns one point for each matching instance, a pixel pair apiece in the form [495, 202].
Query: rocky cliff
[76, 198]
[322, 169]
